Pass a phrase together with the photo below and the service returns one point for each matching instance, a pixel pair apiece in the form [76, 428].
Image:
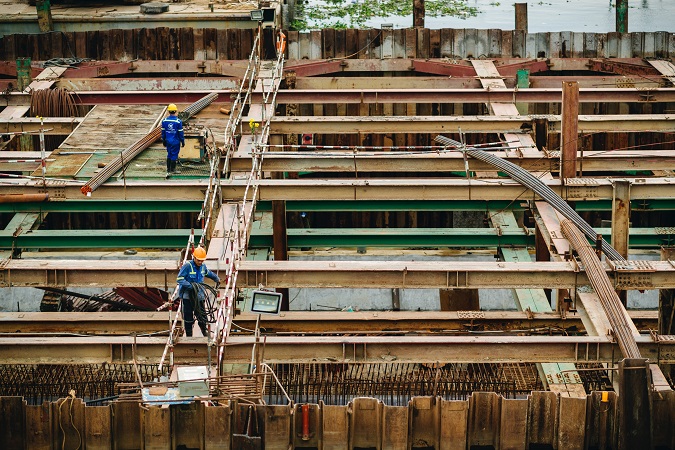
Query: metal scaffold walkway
[229, 224]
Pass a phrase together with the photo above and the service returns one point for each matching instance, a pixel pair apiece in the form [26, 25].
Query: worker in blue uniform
[191, 274]
[172, 138]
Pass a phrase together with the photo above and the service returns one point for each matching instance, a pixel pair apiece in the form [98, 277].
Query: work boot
[205, 331]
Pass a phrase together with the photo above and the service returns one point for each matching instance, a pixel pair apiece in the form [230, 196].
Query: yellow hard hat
[172, 108]
[199, 253]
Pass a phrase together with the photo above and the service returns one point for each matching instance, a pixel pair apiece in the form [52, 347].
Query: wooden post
[418, 13]
[622, 16]
[521, 16]
[570, 133]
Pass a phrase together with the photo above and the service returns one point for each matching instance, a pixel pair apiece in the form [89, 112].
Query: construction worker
[172, 138]
[191, 294]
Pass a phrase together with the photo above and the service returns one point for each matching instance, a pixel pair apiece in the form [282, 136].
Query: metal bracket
[581, 188]
[632, 274]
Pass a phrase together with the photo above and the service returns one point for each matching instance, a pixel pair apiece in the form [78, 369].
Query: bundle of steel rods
[535, 184]
[603, 287]
[197, 106]
[134, 149]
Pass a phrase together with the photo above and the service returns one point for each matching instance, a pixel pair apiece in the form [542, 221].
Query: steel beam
[286, 349]
[413, 189]
[506, 95]
[441, 275]
[467, 124]
[105, 323]
[324, 322]
[108, 206]
[355, 161]
[51, 125]
[471, 82]
[337, 322]
[49, 239]
[396, 237]
[131, 190]
[449, 205]
[88, 273]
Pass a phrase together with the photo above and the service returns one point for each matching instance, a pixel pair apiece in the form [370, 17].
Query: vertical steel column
[622, 16]
[44, 13]
[279, 229]
[570, 130]
[667, 309]
[635, 424]
[418, 13]
[521, 16]
[541, 133]
[621, 222]
[23, 78]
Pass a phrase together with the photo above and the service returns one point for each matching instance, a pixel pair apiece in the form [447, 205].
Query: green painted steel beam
[395, 237]
[437, 237]
[85, 239]
[393, 205]
[86, 206]
[449, 205]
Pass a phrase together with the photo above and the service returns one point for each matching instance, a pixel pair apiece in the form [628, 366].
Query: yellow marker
[605, 397]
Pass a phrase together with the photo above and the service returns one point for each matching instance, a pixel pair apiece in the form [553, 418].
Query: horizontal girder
[467, 124]
[577, 189]
[130, 190]
[450, 205]
[108, 323]
[355, 161]
[442, 275]
[322, 322]
[50, 125]
[279, 349]
[436, 237]
[107, 206]
[421, 95]
[134, 238]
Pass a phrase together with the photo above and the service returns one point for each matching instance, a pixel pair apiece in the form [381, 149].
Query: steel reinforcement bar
[609, 300]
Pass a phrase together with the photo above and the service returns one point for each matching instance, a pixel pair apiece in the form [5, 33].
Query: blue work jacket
[172, 135]
[190, 273]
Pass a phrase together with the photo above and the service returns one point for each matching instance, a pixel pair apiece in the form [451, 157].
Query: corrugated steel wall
[485, 420]
[233, 44]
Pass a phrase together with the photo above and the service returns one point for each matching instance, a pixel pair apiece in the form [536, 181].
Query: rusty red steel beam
[419, 349]
[545, 95]
[632, 66]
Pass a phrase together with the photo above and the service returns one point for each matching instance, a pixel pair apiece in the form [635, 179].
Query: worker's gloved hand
[182, 144]
[217, 285]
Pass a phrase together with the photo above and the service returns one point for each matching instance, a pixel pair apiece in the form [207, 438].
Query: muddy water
[598, 16]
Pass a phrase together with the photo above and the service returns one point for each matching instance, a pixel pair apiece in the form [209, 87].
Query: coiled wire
[205, 312]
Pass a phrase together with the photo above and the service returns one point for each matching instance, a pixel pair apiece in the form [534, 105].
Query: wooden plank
[98, 425]
[14, 112]
[454, 425]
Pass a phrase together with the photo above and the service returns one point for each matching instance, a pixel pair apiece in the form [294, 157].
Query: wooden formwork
[485, 420]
